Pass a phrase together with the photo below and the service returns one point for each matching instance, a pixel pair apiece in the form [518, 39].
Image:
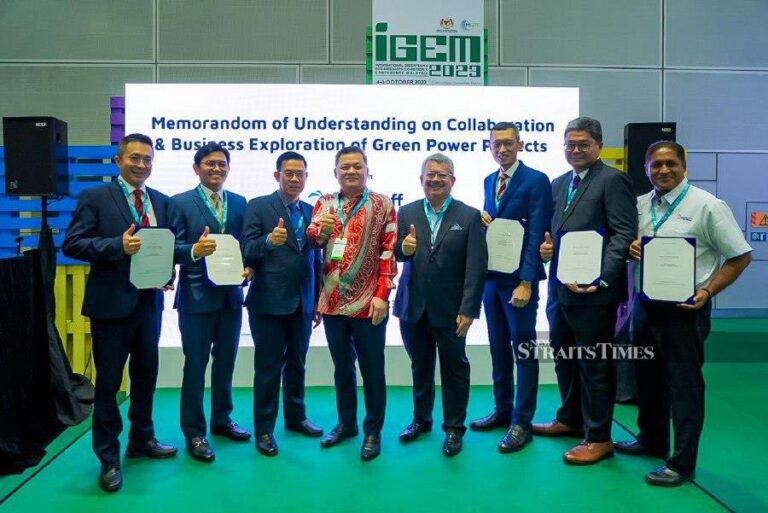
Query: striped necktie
[139, 205]
[502, 185]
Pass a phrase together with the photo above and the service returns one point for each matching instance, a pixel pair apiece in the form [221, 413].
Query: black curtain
[39, 394]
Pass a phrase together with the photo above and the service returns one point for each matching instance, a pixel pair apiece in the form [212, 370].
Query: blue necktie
[296, 219]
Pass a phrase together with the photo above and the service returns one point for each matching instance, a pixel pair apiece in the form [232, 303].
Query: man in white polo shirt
[672, 380]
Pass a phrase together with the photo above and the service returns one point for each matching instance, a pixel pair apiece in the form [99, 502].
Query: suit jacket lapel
[583, 186]
[122, 203]
[513, 183]
[281, 211]
[490, 192]
[213, 223]
[445, 224]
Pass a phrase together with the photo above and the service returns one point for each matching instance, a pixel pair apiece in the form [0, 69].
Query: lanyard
[352, 212]
[657, 224]
[223, 219]
[435, 218]
[132, 206]
[571, 194]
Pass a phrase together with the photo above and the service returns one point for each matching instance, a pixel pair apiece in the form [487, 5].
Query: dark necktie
[295, 212]
[575, 182]
[140, 207]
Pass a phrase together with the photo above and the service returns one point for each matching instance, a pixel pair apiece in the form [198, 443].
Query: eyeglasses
[439, 176]
[509, 144]
[578, 146]
[223, 164]
[290, 175]
[138, 159]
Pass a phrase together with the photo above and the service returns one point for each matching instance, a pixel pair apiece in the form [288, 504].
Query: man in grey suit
[590, 197]
[442, 242]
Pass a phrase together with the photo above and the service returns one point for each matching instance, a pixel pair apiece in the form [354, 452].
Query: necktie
[216, 202]
[575, 182]
[293, 209]
[139, 205]
[502, 185]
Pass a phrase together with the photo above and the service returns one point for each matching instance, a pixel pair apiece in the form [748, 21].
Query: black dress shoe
[266, 444]
[665, 476]
[306, 427]
[110, 477]
[637, 448]
[452, 444]
[413, 431]
[371, 447]
[490, 421]
[516, 438]
[151, 449]
[337, 435]
[200, 450]
[231, 431]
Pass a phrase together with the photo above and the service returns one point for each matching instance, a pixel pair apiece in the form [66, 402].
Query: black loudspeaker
[637, 138]
[36, 156]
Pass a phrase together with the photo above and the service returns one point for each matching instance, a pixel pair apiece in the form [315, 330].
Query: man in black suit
[124, 320]
[593, 196]
[281, 300]
[442, 242]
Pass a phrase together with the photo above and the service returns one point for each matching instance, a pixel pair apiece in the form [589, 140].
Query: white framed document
[152, 266]
[668, 269]
[505, 245]
[580, 257]
[225, 265]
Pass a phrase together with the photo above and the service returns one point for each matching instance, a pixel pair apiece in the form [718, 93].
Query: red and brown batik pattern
[368, 266]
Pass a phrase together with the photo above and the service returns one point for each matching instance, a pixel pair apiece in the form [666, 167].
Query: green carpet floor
[415, 477]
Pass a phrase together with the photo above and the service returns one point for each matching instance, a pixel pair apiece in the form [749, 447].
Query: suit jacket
[604, 200]
[527, 198]
[95, 235]
[446, 279]
[190, 215]
[285, 276]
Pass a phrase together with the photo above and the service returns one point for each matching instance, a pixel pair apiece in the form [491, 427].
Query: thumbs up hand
[409, 243]
[204, 246]
[547, 248]
[131, 244]
[279, 234]
[328, 221]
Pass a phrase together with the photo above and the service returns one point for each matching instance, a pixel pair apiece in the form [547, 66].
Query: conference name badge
[337, 251]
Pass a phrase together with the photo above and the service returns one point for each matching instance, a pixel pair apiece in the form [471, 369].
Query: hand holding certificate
[225, 265]
[152, 265]
[505, 245]
[580, 258]
[668, 271]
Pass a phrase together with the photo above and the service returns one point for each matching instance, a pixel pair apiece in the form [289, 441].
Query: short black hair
[672, 145]
[506, 125]
[207, 149]
[133, 138]
[585, 124]
[347, 150]
[289, 155]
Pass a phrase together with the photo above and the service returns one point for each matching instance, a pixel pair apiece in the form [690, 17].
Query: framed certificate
[225, 265]
[668, 269]
[505, 245]
[580, 257]
[152, 266]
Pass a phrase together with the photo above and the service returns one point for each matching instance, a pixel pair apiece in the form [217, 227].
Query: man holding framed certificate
[517, 211]
[595, 220]
[209, 298]
[672, 307]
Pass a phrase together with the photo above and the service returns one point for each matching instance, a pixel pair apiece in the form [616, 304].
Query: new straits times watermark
[541, 349]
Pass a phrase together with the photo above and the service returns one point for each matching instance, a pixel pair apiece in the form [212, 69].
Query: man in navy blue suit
[518, 192]
[281, 300]
[442, 242]
[124, 320]
[209, 316]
